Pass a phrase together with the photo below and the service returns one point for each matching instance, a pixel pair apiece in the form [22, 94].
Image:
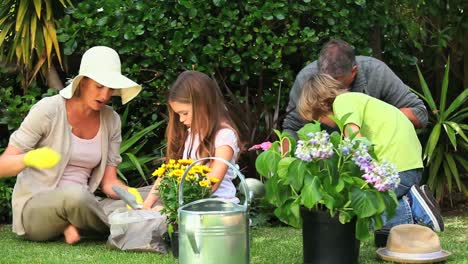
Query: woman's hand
[42, 158]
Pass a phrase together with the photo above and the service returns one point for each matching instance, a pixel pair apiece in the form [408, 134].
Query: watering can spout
[193, 242]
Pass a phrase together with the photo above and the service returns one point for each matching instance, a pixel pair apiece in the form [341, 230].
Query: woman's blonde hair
[318, 95]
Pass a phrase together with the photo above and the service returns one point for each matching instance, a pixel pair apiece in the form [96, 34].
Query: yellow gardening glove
[137, 195]
[41, 158]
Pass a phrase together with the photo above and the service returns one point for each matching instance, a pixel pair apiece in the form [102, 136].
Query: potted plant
[328, 178]
[197, 186]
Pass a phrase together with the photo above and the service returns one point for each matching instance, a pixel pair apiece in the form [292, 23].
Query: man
[361, 74]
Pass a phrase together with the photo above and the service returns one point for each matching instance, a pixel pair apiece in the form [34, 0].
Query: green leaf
[391, 203]
[434, 169]
[344, 217]
[310, 193]
[363, 202]
[267, 162]
[448, 175]
[427, 93]
[296, 173]
[459, 100]
[37, 7]
[218, 3]
[451, 135]
[137, 165]
[445, 80]
[131, 141]
[328, 200]
[3, 33]
[453, 169]
[289, 213]
[340, 122]
[283, 166]
[308, 128]
[362, 228]
[432, 142]
[332, 169]
[340, 185]
[22, 9]
[458, 129]
[462, 161]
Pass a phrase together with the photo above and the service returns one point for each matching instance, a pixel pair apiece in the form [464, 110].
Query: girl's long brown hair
[209, 114]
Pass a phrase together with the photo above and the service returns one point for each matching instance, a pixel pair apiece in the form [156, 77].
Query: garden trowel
[127, 197]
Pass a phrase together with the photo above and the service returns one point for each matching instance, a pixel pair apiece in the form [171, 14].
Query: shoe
[424, 212]
[428, 193]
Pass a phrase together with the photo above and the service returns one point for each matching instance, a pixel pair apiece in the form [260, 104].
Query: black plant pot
[326, 240]
[175, 244]
[172, 242]
[380, 237]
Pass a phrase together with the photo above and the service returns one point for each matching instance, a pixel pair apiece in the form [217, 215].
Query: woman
[50, 200]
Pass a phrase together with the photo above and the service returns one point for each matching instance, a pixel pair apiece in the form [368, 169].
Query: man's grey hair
[336, 58]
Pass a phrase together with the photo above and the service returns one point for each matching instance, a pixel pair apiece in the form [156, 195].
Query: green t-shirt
[385, 126]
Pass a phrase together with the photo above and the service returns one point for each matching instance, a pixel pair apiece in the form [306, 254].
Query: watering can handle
[230, 165]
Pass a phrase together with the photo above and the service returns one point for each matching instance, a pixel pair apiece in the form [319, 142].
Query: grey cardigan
[47, 125]
[374, 78]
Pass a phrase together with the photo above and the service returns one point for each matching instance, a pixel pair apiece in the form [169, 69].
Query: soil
[457, 206]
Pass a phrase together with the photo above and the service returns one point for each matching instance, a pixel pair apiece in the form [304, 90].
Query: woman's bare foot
[71, 235]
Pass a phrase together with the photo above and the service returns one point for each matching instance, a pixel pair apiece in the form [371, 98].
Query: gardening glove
[41, 158]
[134, 192]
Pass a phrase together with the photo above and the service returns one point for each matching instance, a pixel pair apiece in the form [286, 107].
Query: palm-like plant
[447, 145]
[130, 150]
[28, 36]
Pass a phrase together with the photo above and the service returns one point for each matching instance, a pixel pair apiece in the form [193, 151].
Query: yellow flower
[204, 183]
[159, 172]
[191, 177]
[194, 170]
[185, 162]
[206, 169]
[176, 173]
[214, 179]
[172, 161]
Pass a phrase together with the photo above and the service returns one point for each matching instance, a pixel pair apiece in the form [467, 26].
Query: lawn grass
[268, 245]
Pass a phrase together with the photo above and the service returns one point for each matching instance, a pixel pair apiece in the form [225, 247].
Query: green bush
[6, 190]
[250, 47]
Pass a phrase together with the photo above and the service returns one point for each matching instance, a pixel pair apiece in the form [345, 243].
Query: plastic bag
[137, 230]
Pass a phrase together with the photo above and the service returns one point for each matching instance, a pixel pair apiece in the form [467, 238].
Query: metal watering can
[214, 230]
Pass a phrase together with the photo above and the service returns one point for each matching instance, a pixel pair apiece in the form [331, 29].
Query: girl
[392, 134]
[200, 126]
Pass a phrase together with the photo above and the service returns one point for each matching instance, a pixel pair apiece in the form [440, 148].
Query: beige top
[85, 155]
[47, 125]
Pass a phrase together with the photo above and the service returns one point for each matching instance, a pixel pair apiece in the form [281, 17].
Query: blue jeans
[403, 211]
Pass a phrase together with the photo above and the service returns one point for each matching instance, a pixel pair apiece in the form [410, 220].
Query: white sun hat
[411, 243]
[102, 64]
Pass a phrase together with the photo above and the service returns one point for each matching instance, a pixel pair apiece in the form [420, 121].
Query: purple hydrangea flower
[345, 146]
[362, 158]
[316, 147]
[383, 176]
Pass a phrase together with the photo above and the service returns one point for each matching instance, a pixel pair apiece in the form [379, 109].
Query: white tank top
[85, 156]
